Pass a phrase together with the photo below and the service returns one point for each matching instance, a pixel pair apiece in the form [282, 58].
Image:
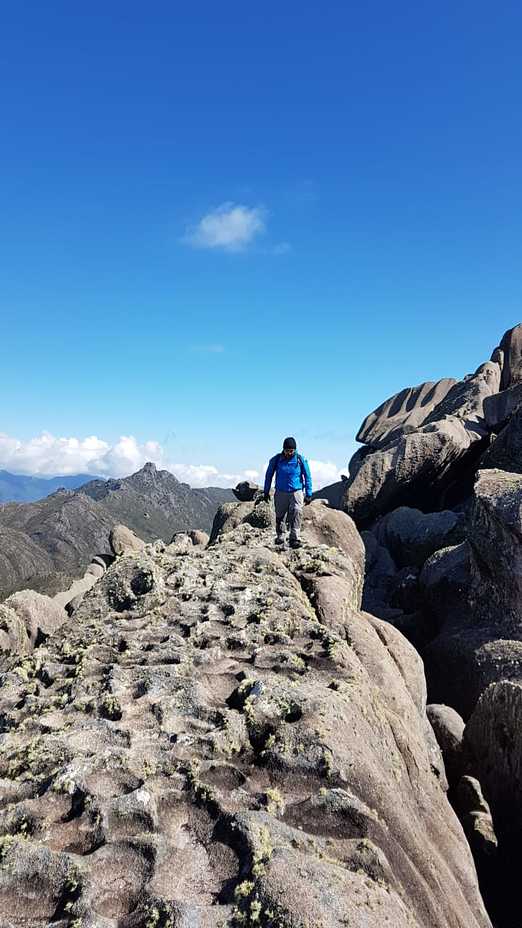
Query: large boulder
[13, 632]
[40, 614]
[123, 540]
[511, 352]
[444, 584]
[404, 411]
[246, 491]
[493, 736]
[230, 515]
[505, 452]
[466, 398]
[411, 536]
[427, 456]
[475, 814]
[482, 643]
[500, 406]
[419, 469]
[495, 537]
[448, 726]
[380, 574]
[228, 716]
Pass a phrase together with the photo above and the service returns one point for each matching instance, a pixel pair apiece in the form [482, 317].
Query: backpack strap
[301, 467]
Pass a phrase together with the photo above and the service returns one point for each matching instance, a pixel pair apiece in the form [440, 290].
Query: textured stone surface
[505, 452]
[416, 470]
[511, 349]
[412, 536]
[466, 398]
[123, 540]
[215, 726]
[482, 642]
[47, 544]
[449, 731]
[406, 410]
[475, 815]
[444, 583]
[40, 614]
[423, 445]
[499, 407]
[494, 737]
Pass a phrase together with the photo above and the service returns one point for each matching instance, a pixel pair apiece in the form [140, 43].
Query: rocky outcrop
[405, 411]
[418, 469]
[154, 503]
[216, 725]
[26, 619]
[246, 491]
[123, 540]
[505, 453]
[510, 352]
[475, 814]
[423, 446]
[449, 731]
[494, 739]
[412, 536]
[476, 591]
[47, 544]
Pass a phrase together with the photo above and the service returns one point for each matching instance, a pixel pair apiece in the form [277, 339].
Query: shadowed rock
[412, 536]
[246, 491]
[449, 731]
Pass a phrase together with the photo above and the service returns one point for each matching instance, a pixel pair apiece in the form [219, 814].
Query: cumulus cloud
[229, 227]
[47, 455]
[323, 473]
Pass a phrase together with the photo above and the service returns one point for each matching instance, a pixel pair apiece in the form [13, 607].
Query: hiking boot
[279, 540]
[295, 543]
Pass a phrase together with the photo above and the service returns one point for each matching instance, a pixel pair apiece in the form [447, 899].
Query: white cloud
[323, 473]
[47, 455]
[229, 227]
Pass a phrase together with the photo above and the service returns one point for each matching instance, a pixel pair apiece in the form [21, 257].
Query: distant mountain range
[46, 543]
[19, 488]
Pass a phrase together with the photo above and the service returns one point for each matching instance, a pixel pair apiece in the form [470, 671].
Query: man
[292, 477]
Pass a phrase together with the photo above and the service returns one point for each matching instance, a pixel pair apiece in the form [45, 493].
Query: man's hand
[308, 499]
[266, 497]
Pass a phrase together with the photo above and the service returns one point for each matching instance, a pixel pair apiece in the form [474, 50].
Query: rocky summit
[208, 731]
[436, 491]
[219, 736]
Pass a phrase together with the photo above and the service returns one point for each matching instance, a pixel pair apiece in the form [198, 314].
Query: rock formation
[437, 490]
[220, 737]
[423, 446]
[47, 544]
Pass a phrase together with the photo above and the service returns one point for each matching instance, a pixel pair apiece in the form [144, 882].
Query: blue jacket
[291, 474]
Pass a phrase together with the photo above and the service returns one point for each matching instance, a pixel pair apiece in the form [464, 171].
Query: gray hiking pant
[291, 506]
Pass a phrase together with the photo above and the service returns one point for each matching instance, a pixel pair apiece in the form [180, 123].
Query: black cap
[290, 443]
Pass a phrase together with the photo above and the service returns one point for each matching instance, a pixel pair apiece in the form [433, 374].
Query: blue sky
[225, 223]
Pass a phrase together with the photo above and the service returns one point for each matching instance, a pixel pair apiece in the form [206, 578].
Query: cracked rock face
[219, 737]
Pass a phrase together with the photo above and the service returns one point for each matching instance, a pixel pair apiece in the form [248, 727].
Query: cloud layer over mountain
[47, 455]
